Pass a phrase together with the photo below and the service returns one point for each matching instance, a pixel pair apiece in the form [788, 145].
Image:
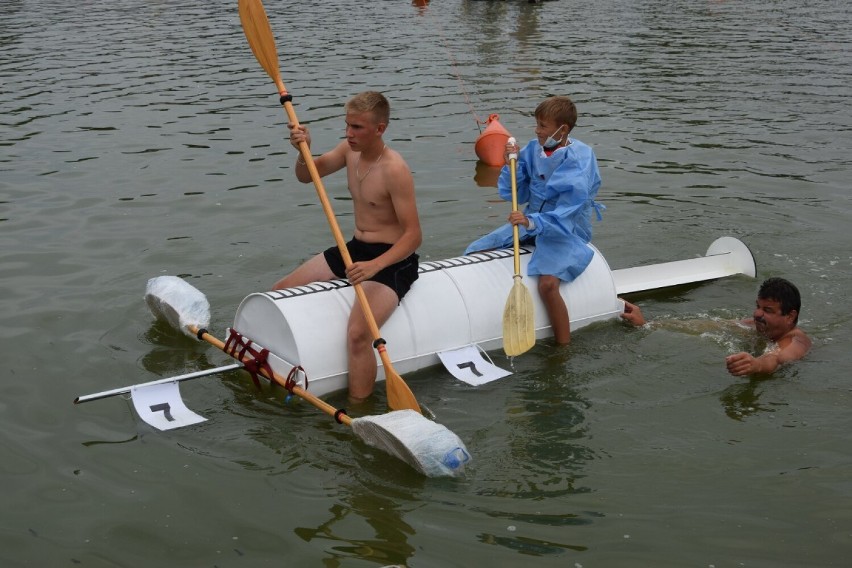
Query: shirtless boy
[387, 228]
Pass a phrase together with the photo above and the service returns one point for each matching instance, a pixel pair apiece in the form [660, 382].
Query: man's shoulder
[798, 334]
[796, 338]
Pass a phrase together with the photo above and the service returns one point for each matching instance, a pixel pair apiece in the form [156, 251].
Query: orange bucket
[491, 144]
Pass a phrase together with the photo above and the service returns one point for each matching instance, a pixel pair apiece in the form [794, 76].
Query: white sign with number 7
[467, 365]
[162, 407]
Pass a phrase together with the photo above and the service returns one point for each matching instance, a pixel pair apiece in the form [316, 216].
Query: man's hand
[740, 364]
[632, 314]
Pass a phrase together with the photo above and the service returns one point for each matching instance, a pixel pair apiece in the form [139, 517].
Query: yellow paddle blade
[400, 396]
[518, 320]
[259, 36]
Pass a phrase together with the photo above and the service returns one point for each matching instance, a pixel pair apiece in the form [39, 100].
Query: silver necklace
[370, 169]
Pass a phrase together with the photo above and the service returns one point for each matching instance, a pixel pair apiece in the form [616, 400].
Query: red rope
[259, 357]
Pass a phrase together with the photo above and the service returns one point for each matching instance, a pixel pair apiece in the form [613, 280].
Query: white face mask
[552, 142]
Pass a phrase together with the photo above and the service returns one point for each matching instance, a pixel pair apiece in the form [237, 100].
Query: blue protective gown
[559, 192]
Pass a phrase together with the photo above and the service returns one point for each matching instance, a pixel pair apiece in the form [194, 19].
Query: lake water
[141, 138]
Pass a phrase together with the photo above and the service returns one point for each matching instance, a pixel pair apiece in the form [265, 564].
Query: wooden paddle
[518, 315]
[259, 35]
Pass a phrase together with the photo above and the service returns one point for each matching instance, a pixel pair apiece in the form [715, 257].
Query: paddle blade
[518, 320]
[178, 302]
[400, 396]
[427, 446]
[259, 36]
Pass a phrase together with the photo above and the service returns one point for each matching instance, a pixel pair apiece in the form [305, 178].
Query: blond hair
[372, 102]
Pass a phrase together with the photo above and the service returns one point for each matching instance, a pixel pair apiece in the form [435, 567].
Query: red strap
[290, 383]
[259, 357]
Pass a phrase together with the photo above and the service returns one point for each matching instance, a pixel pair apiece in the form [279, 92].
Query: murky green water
[141, 138]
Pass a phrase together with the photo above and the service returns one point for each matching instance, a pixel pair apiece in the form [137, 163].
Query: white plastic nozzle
[512, 155]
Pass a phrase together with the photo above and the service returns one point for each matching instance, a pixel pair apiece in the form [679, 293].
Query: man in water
[776, 317]
[387, 228]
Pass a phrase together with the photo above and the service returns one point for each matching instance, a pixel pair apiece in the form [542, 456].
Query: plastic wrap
[178, 302]
[429, 447]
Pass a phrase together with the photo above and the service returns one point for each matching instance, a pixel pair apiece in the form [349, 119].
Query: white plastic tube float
[454, 303]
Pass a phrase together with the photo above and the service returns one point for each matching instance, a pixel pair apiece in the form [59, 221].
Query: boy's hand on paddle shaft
[359, 272]
[298, 134]
[518, 218]
[510, 149]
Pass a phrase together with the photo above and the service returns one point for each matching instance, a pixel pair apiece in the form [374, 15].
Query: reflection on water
[742, 400]
[541, 425]
[530, 546]
[548, 431]
[383, 518]
[171, 349]
[486, 176]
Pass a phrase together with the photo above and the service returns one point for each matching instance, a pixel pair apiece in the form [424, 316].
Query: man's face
[361, 129]
[769, 321]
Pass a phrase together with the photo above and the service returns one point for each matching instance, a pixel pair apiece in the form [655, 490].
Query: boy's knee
[358, 334]
[548, 285]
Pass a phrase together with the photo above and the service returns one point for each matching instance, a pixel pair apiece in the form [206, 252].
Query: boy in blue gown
[557, 179]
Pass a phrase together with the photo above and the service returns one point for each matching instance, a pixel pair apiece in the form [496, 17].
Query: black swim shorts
[398, 277]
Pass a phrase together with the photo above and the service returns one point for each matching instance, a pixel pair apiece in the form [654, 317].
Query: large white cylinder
[454, 303]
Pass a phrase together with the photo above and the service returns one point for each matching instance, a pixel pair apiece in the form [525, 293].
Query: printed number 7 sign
[161, 406]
